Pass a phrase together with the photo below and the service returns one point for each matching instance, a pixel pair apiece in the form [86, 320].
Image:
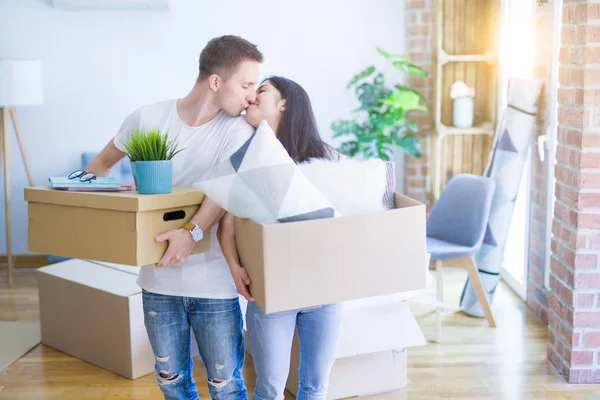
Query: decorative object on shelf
[21, 84]
[505, 167]
[381, 122]
[463, 106]
[151, 153]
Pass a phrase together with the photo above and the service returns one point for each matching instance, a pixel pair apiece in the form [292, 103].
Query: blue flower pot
[153, 177]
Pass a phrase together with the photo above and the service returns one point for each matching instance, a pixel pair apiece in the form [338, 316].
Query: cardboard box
[304, 264]
[116, 227]
[363, 375]
[371, 357]
[94, 312]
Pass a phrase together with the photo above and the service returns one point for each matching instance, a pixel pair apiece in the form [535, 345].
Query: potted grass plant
[150, 153]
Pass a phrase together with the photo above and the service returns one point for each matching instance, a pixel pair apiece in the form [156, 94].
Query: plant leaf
[402, 88]
[385, 153]
[411, 69]
[361, 75]
[398, 57]
[367, 94]
[410, 144]
[349, 148]
[405, 100]
[415, 70]
[343, 127]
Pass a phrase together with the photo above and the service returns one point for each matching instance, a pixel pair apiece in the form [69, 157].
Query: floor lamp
[21, 84]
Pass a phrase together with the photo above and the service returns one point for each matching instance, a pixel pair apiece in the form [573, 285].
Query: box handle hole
[174, 215]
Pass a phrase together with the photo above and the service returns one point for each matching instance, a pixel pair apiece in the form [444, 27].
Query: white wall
[100, 65]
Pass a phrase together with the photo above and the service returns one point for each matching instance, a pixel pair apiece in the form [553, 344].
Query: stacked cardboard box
[93, 311]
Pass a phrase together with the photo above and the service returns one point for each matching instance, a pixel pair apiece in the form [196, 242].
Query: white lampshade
[21, 83]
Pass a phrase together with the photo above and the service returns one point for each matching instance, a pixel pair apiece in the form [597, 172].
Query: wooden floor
[472, 362]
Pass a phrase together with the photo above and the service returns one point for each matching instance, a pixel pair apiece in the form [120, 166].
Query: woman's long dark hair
[297, 130]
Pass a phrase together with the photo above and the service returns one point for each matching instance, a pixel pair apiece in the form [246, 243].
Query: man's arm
[208, 214]
[105, 160]
[181, 243]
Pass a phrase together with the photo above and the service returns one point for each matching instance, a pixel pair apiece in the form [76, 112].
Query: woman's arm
[226, 236]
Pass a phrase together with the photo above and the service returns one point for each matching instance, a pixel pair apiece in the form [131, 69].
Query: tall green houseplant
[382, 122]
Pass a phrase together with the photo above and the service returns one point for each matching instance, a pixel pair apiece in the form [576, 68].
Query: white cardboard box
[372, 354]
[371, 357]
[94, 312]
[364, 375]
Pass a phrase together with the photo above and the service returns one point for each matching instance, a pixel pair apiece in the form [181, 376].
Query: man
[196, 291]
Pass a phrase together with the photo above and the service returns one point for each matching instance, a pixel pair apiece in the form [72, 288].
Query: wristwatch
[196, 232]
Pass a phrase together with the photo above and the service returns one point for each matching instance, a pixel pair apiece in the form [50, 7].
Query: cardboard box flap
[378, 328]
[401, 201]
[121, 201]
[125, 268]
[102, 277]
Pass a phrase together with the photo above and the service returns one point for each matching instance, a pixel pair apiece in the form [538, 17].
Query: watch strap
[189, 226]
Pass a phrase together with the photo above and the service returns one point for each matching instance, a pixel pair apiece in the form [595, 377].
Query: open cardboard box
[304, 264]
[116, 227]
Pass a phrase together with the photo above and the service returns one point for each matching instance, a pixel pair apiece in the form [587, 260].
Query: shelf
[444, 58]
[136, 5]
[486, 128]
[465, 49]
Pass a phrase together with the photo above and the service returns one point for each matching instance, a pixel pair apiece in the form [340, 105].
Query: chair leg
[439, 290]
[480, 291]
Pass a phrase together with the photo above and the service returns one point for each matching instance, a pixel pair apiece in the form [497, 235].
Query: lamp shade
[21, 83]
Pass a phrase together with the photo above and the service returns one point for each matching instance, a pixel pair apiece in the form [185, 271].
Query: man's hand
[242, 282]
[180, 246]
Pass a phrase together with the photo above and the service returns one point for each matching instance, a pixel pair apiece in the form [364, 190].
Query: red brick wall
[419, 42]
[574, 315]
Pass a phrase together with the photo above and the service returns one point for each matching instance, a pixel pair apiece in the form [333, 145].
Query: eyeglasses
[83, 176]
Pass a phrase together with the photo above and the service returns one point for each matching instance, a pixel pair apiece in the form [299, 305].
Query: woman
[287, 109]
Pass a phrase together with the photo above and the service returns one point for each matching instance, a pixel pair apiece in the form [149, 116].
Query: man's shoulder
[235, 123]
[157, 107]
[234, 130]
[150, 115]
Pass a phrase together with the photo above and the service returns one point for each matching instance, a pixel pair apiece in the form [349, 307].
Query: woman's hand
[226, 236]
[242, 281]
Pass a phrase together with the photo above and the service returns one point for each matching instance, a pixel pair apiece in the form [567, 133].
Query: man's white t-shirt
[204, 275]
